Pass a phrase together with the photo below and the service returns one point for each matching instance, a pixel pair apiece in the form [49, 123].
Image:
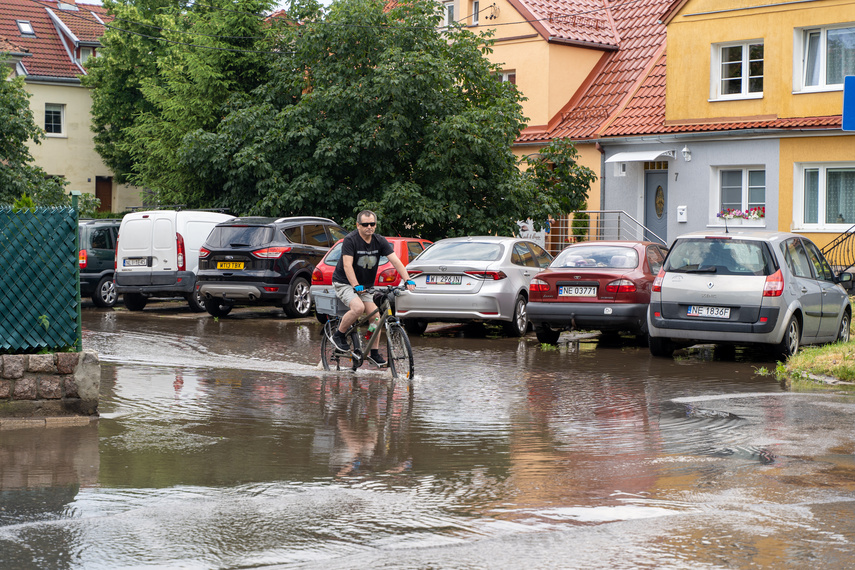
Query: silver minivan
[747, 287]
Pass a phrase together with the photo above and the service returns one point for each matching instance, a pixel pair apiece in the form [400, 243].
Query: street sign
[849, 103]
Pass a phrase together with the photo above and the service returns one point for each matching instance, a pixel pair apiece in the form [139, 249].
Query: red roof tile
[640, 39]
[52, 51]
[579, 21]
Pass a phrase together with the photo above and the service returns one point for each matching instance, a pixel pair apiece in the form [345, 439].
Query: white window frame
[716, 70]
[505, 76]
[26, 28]
[822, 168]
[55, 107]
[800, 56]
[448, 14]
[476, 8]
[87, 50]
[715, 205]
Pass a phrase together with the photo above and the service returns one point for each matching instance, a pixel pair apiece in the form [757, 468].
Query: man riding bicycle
[356, 271]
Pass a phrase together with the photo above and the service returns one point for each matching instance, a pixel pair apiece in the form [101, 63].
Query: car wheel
[415, 326]
[845, 322]
[299, 301]
[519, 325]
[789, 345]
[662, 347]
[196, 301]
[546, 334]
[217, 309]
[134, 301]
[105, 292]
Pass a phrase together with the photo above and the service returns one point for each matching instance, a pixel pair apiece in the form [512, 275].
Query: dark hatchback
[97, 257]
[263, 261]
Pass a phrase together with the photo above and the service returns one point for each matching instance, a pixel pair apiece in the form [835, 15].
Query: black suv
[263, 261]
[97, 260]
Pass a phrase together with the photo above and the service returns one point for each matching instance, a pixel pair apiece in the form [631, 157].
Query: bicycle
[399, 356]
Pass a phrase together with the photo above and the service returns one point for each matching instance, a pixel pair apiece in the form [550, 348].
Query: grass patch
[820, 367]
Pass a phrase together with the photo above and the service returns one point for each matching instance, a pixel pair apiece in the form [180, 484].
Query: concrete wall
[59, 384]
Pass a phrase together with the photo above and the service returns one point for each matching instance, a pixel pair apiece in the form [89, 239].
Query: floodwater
[221, 444]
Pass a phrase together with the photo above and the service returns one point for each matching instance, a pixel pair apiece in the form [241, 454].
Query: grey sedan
[751, 287]
[481, 278]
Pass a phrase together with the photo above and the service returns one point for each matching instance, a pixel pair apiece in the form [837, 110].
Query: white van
[158, 255]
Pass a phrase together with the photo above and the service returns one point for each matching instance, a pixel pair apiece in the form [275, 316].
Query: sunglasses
[367, 224]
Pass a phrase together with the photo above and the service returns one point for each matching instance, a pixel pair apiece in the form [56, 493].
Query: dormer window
[85, 53]
[26, 28]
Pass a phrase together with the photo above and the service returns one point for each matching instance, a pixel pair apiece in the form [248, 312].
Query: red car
[601, 285]
[405, 248]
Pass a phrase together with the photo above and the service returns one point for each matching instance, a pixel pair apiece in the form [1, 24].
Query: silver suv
[751, 287]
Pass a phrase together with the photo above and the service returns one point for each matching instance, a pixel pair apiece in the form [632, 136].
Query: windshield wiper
[239, 244]
[703, 269]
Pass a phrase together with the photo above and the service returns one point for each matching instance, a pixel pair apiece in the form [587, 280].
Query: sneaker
[340, 342]
[377, 358]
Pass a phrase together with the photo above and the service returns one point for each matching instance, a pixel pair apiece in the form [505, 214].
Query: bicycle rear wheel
[329, 357]
[400, 352]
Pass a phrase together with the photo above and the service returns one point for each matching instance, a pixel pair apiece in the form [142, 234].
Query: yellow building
[47, 43]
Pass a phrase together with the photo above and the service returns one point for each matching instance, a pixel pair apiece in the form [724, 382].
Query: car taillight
[657, 283]
[179, 241]
[774, 286]
[621, 286]
[318, 276]
[387, 276]
[487, 275]
[204, 253]
[270, 252]
[116, 261]
[83, 259]
[538, 286]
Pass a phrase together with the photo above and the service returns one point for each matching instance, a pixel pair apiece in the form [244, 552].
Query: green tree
[559, 185]
[368, 108]
[18, 175]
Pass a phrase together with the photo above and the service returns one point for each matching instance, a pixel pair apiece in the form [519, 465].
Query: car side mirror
[844, 277]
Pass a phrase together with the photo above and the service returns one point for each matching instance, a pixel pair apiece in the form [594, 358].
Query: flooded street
[221, 444]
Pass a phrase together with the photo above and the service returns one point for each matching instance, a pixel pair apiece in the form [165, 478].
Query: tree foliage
[18, 175]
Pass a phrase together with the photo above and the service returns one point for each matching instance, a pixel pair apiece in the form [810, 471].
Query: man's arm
[347, 265]
[399, 267]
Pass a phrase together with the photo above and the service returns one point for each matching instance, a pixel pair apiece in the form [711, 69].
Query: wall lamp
[687, 154]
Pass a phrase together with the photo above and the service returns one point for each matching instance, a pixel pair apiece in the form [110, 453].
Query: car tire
[134, 301]
[519, 324]
[196, 301]
[415, 326]
[546, 334]
[661, 347]
[299, 301]
[843, 330]
[789, 344]
[105, 293]
[217, 308]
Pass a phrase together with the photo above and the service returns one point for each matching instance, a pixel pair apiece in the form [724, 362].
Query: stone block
[42, 363]
[69, 421]
[14, 365]
[70, 387]
[5, 389]
[21, 423]
[50, 387]
[87, 376]
[66, 362]
[25, 389]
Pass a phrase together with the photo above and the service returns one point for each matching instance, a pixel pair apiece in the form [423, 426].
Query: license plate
[444, 279]
[138, 262]
[576, 291]
[230, 265]
[715, 312]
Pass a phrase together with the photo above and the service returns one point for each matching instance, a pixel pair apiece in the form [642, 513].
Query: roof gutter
[49, 79]
[722, 135]
[580, 43]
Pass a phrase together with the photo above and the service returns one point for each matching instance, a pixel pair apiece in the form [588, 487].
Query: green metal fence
[40, 295]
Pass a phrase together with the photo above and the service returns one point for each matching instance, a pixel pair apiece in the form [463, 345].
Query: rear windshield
[607, 256]
[462, 251]
[726, 256]
[240, 236]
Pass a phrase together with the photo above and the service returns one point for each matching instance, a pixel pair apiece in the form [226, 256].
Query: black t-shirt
[365, 258]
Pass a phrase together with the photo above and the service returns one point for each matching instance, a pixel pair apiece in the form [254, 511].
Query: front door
[104, 192]
[656, 206]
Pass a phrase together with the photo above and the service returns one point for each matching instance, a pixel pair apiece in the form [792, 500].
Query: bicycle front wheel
[400, 353]
[329, 357]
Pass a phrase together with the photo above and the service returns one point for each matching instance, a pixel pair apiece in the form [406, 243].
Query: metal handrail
[645, 231]
[841, 251]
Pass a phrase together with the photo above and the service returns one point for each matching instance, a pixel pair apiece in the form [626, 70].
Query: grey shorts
[345, 292]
